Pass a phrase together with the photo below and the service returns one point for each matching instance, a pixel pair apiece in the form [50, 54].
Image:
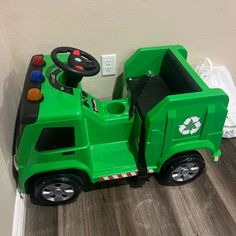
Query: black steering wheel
[79, 63]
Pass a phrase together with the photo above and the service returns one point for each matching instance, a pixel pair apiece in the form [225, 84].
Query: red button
[38, 61]
[76, 52]
[79, 67]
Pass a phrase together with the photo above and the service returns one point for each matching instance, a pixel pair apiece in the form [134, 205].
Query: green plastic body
[106, 142]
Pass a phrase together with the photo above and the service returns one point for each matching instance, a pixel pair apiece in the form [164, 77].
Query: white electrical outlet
[108, 64]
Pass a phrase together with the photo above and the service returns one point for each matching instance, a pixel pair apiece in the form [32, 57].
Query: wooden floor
[206, 206]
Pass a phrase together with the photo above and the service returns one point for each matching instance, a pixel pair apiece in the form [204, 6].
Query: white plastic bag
[220, 77]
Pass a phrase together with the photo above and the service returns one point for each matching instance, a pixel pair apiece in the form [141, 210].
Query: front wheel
[183, 168]
[56, 189]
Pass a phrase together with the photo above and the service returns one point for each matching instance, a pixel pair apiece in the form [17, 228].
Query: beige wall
[204, 27]
[9, 93]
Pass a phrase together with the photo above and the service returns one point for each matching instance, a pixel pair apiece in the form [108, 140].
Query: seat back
[176, 77]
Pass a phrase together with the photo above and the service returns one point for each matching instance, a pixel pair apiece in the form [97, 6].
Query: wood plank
[41, 221]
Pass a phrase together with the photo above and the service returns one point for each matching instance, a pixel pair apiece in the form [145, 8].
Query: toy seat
[147, 92]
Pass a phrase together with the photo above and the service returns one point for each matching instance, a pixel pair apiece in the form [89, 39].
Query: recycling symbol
[190, 126]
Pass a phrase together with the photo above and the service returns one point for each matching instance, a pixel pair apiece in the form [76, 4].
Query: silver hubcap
[58, 192]
[185, 172]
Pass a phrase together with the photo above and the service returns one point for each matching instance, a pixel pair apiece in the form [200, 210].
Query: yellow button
[34, 95]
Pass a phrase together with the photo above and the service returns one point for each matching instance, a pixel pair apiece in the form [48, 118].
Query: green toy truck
[161, 113]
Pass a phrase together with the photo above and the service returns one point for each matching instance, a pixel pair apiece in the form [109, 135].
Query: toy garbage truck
[160, 115]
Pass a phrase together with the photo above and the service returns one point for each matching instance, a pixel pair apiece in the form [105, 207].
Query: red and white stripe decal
[120, 176]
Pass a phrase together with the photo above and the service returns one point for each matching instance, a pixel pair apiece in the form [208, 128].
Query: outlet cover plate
[108, 63]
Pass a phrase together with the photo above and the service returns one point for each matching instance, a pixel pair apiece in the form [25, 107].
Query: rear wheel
[183, 168]
[56, 189]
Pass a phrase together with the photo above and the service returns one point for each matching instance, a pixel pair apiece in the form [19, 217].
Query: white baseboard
[18, 228]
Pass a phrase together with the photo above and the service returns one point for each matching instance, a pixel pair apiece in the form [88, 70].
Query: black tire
[56, 189]
[182, 168]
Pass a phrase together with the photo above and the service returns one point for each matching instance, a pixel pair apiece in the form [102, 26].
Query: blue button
[36, 76]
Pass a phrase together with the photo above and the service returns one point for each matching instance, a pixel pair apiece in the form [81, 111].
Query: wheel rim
[58, 192]
[185, 172]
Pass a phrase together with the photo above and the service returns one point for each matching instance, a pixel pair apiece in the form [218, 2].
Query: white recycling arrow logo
[195, 124]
